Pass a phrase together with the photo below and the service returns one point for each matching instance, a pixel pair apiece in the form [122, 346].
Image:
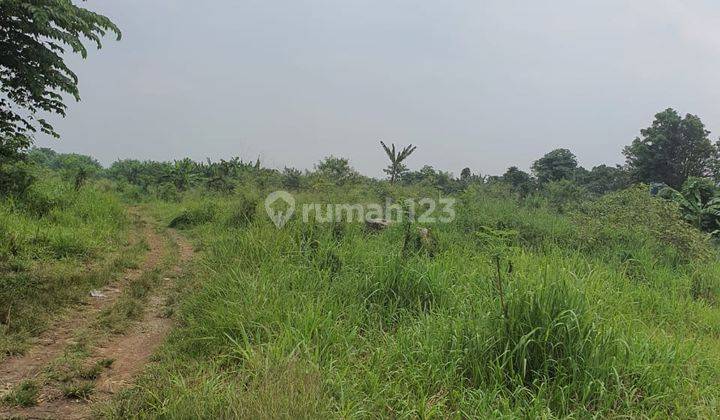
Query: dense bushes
[632, 219]
[608, 227]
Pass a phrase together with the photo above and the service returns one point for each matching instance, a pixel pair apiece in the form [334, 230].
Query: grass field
[517, 307]
[513, 310]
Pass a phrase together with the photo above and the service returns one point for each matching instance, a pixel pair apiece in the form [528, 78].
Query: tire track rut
[130, 351]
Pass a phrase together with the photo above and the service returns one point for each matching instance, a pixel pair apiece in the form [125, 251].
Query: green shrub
[564, 194]
[167, 192]
[200, 213]
[44, 196]
[242, 211]
[15, 178]
[632, 218]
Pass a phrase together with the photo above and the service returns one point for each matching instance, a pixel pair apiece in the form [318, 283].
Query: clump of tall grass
[544, 339]
[705, 285]
[241, 211]
[196, 214]
[397, 288]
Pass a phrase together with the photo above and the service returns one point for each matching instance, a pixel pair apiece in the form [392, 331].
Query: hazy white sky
[484, 84]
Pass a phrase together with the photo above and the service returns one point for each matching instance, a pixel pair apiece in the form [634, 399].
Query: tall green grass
[56, 244]
[592, 319]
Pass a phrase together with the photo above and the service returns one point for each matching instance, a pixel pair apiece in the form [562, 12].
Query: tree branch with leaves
[34, 36]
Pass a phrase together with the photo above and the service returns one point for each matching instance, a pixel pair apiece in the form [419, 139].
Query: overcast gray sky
[484, 84]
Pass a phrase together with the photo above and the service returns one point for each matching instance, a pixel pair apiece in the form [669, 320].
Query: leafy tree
[714, 163]
[467, 178]
[11, 146]
[564, 194]
[70, 164]
[603, 179]
[336, 169]
[35, 36]
[182, 174]
[396, 168]
[15, 177]
[556, 165]
[671, 150]
[441, 180]
[291, 178]
[520, 181]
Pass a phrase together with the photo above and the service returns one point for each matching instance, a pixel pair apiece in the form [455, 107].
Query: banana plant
[396, 167]
[699, 204]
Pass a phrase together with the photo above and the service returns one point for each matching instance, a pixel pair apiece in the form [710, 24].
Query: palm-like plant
[396, 167]
[698, 203]
[182, 173]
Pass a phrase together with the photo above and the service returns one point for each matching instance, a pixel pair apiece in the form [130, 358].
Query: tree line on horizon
[670, 151]
[35, 36]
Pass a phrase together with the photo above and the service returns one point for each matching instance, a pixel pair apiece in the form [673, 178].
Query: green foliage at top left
[35, 37]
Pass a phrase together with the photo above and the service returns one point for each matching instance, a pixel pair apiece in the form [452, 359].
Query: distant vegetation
[673, 152]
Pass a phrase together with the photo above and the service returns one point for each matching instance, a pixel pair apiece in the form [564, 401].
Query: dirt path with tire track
[129, 351]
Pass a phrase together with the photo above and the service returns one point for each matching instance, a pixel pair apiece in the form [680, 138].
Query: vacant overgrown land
[528, 302]
[512, 309]
[235, 288]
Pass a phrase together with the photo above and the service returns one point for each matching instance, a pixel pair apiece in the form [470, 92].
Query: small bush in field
[167, 192]
[564, 194]
[242, 211]
[201, 213]
[43, 197]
